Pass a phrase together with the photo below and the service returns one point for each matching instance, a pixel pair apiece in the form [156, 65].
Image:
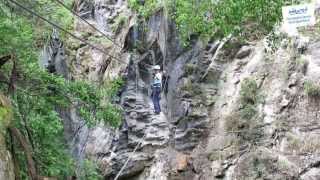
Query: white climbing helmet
[156, 67]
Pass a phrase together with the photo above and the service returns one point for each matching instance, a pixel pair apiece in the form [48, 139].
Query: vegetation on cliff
[35, 134]
[245, 19]
[37, 141]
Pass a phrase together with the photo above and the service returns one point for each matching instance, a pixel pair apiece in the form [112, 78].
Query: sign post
[298, 16]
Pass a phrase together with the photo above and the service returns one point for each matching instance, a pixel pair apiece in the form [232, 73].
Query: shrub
[220, 18]
[312, 89]
[100, 40]
[248, 112]
[90, 171]
[248, 92]
[120, 21]
[244, 122]
[302, 64]
[192, 88]
[246, 130]
[145, 8]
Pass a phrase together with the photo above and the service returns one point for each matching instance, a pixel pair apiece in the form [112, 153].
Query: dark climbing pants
[156, 91]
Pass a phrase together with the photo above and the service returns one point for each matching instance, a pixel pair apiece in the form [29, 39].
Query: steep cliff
[231, 110]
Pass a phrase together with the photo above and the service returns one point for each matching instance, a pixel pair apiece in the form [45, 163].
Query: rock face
[240, 113]
[182, 122]
[53, 56]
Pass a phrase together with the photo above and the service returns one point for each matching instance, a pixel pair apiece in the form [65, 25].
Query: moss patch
[312, 89]
[193, 88]
[303, 144]
[190, 69]
[5, 112]
[248, 92]
[120, 21]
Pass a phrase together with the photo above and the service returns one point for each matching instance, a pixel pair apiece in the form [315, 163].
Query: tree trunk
[14, 157]
[13, 77]
[27, 149]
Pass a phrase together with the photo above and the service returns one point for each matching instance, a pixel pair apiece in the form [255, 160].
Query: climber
[156, 88]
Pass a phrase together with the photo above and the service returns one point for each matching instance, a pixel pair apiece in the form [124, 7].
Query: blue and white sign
[299, 15]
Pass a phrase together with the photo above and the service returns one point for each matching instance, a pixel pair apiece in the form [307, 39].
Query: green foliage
[243, 18]
[192, 88]
[248, 111]
[38, 96]
[55, 13]
[249, 98]
[111, 113]
[248, 92]
[36, 102]
[5, 113]
[274, 40]
[220, 18]
[120, 21]
[302, 64]
[112, 87]
[100, 40]
[312, 89]
[246, 19]
[90, 171]
[145, 9]
[245, 121]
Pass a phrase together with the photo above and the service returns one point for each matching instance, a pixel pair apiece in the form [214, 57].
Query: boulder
[312, 174]
[245, 51]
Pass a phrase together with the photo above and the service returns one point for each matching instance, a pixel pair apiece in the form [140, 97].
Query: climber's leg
[156, 100]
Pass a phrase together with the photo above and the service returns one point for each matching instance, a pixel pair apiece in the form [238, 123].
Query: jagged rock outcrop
[179, 127]
[53, 56]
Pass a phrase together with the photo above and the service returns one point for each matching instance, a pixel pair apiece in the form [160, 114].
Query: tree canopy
[245, 19]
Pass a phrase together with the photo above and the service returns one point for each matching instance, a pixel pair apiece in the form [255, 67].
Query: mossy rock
[312, 89]
[6, 114]
[192, 88]
[190, 69]
[120, 21]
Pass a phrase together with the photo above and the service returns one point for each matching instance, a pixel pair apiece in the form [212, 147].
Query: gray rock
[245, 51]
[213, 74]
[301, 43]
[312, 174]
[53, 56]
[192, 108]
